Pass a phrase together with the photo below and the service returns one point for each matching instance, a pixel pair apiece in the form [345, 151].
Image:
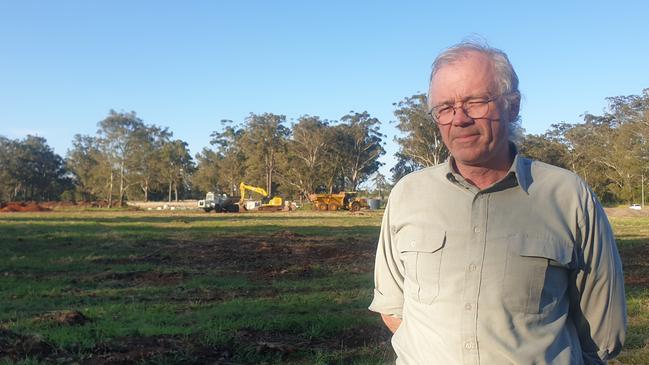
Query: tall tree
[304, 165]
[118, 136]
[421, 142]
[359, 143]
[31, 169]
[90, 168]
[230, 157]
[207, 176]
[176, 165]
[263, 139]
[546, 149]
[143, 165]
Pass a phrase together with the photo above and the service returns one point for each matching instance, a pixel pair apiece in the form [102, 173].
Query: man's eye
[444, 109]
[480, 102]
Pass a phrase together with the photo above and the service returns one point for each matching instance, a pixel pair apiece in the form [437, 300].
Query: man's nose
[460, 118]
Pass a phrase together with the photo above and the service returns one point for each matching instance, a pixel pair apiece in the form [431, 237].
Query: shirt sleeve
[598, 300]
[388, 272]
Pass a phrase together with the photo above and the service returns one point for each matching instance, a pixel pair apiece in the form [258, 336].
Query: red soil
[23, 207]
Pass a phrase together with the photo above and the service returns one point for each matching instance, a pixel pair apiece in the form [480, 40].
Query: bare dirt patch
[636, 266]
[64, 318]
[281, 253]
[23, 207]
[136, 277]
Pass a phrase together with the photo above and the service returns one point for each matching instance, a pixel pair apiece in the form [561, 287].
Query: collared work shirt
[523, 272]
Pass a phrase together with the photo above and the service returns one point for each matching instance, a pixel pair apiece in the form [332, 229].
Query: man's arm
[597, 299]
[388, 276]
[391, 322]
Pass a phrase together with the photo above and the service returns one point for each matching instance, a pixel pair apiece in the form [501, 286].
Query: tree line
[610, 151]
[128, 159]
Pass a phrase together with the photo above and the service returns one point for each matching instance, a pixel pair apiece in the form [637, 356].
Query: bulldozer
[347, 200]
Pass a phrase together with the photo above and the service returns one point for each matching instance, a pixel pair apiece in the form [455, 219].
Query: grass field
[134, 287]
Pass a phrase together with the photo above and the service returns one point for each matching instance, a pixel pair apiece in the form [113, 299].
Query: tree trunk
[145, 190]
[110, 190]
[176, 190]
[170, 183]
[121, 184]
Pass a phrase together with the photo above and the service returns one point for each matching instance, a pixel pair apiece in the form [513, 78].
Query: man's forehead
[471, 75]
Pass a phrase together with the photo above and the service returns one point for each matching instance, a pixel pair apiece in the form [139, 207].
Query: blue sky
[187, 65]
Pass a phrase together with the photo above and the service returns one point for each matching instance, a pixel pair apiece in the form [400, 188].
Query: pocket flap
[411, 240]
[549, 248]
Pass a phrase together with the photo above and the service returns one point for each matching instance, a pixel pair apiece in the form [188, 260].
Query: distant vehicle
[635, 207]
[344, 200]
[219, 203]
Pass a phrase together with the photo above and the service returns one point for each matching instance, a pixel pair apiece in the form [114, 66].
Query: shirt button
[469, 345]
[467, 306]
[476, 229]
[472, 267]
[413, 244]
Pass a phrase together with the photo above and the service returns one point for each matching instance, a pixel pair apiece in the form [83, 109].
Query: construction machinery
[225, 203]
[266, 204]
[219, 203]
[344, 200]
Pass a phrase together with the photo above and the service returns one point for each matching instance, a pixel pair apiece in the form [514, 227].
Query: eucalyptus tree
[90, 168]
[176, 165]
[9, 183]
[421, 141]
[544, 148]
[208, 174]
[31, 170]
[263, 139]
[143, 165]
[118, 138]
[359, 145]
[227, 167]
[305, 164]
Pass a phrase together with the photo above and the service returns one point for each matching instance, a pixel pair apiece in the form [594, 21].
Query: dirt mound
[69, 318]
[287, 235]
[24, 207]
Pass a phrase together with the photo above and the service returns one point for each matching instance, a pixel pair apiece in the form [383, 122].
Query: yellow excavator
[267, 204]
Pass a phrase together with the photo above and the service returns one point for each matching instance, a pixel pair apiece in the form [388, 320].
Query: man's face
[473, 142]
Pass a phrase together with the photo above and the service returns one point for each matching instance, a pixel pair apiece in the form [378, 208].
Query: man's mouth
[466, 138]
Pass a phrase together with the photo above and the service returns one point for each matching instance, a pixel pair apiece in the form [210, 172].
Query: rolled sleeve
[388, 273]
[600, 311]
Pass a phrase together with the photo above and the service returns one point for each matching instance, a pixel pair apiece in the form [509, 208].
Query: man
[491, 258]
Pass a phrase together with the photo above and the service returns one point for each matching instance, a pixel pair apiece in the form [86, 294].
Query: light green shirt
[524, 272]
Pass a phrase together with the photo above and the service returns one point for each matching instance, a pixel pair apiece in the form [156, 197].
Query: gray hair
[506, 79]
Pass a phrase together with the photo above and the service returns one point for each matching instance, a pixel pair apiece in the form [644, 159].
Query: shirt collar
[519, 171]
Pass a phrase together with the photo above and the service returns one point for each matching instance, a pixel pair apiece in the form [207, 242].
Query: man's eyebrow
[464, 99]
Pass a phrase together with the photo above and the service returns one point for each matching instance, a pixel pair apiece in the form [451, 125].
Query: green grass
[160, 275]
[191, 287]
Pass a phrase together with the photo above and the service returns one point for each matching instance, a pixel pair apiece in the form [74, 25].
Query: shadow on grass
[146, 217]
[44, 231]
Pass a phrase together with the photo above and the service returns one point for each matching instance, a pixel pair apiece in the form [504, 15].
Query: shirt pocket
[421, 253]
[536, 273]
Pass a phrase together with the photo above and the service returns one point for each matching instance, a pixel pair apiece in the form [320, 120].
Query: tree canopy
[130, 159]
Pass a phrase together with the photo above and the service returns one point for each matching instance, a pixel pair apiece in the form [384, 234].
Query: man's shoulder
[551, 175]
[423, 177]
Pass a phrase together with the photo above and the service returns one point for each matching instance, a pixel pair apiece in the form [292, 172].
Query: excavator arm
[243, 187]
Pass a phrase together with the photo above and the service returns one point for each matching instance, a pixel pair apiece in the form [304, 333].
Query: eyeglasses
[473, 108]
